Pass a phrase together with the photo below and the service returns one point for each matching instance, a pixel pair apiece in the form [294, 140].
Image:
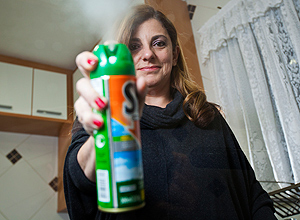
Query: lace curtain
[252, 49]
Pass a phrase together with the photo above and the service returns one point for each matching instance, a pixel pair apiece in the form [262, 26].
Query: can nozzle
[112, 46]
[114, 59]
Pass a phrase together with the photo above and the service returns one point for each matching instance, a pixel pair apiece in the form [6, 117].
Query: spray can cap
[114, 59]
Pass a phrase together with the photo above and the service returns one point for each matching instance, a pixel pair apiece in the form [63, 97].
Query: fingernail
[100, 103]
[98, 123]
[91, 62]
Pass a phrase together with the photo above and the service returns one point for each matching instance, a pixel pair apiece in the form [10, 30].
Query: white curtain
[252, 51]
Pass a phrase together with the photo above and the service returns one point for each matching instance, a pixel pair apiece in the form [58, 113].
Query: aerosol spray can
[119, 170]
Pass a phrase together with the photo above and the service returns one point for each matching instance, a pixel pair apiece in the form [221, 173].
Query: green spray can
[119, 170]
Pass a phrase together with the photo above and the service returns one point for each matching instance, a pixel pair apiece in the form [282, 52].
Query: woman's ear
[175, 55]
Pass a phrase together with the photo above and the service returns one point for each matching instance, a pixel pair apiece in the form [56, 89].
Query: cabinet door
[15, 88]
[49, 94]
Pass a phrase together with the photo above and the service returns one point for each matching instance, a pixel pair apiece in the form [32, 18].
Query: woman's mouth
[149, 68]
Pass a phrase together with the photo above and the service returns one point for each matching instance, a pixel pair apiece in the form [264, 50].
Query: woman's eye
[159, 43]
[133, 47]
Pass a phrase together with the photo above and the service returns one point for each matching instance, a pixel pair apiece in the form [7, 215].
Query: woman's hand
[89, 98]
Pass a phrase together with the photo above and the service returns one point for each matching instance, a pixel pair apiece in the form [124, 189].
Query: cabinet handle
[6, 106]
[48, 112]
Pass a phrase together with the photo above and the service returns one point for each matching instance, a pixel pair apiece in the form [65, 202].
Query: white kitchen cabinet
[49, 94]
[15, 88]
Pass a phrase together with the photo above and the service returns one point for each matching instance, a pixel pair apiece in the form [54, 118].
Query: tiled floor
[25, 189]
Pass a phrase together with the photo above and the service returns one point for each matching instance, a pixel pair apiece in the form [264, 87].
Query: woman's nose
[147, 54]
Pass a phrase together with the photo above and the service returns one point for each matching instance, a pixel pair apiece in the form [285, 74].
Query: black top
[190, 173]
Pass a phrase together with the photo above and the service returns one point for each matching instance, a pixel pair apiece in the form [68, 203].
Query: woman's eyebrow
[158, 36]
[135, 40]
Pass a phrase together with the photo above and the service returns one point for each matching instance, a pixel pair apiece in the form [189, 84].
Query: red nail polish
[98, 123]
[100, 103]
[91, 62]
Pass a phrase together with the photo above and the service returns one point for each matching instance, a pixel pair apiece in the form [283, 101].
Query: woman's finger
[87, 92]
[86, 62]
[86, 116]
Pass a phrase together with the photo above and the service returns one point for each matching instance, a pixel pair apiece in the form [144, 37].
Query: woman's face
[152, 53]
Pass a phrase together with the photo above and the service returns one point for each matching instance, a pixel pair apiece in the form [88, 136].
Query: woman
[193, 165]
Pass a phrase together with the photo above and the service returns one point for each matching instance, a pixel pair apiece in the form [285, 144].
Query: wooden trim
[35, 65]
[32, 88]
[64, 140]
[7, 114]
[31, 124]
[70, 104]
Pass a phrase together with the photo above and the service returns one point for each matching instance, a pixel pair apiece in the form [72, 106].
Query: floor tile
[10, 141]
[45, 165]
[22, 187]
[49, 211]
[5, 164]
[25, 209]
[36, 146]
[2, 217]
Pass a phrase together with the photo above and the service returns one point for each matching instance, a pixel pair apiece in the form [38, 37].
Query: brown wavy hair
[195, 105]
